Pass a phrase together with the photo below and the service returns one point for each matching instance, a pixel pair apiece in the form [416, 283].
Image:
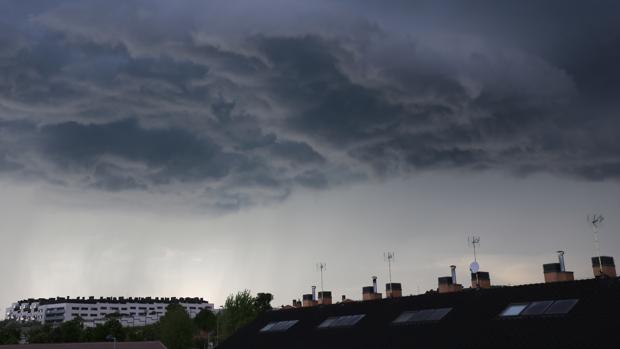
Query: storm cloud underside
[239, 104]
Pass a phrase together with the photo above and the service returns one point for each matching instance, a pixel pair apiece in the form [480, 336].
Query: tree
[262, 302]
[206, 324]
[239, 310]
[9, 332]
[67, 332]
[176, 327]
[40, 334]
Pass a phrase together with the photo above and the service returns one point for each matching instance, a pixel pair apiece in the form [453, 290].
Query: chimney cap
[445, 280]
[325, 294]
[605, 260]
[368, 289]
[394, 286]
[482, 275]
[307, 297]
[552, 268]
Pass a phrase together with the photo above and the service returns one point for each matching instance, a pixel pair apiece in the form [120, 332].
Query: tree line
[175, 329]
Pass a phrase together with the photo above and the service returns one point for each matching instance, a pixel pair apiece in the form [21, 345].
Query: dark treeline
[175, 329]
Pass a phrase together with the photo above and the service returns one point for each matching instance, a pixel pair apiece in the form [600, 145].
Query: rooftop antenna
[321, 266]
[474, 267]
[389, 257]
[596, 221]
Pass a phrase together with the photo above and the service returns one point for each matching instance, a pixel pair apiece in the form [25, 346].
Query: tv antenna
[474, 267]
[389, 257]
[321, 266]
[596, 221]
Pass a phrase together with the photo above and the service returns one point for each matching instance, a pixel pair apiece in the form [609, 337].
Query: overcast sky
[197, 148]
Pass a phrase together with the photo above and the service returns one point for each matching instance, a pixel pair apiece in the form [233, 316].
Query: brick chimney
[308, 300]
[370, 292]
[603, 267]
[325, 297]
[480, 279]
[393, 290]
[448, 284]
[556, 272]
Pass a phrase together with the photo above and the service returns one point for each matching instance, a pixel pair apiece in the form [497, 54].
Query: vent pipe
[453, 270]
[374, 284]
[561, 259]
[314, 293]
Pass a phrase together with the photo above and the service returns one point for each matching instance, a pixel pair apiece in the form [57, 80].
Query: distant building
[132, 311]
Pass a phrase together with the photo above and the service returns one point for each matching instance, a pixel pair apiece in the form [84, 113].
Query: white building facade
[131, 312]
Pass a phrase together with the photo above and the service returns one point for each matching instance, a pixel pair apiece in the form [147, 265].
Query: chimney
[603, 267]
[480, 279]
[556, 272]
[447, 284]
[344, 297]
[314, 293]
[325, 297]
[374, 284]
[308, 300]
[368, 293]
[393, 290]
[561, 259]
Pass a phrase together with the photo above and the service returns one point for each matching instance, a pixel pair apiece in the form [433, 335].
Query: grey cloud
[150, 95]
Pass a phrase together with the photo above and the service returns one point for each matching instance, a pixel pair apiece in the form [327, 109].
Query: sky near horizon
[198, 148]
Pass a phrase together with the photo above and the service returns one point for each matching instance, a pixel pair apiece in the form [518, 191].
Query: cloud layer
[238, 103]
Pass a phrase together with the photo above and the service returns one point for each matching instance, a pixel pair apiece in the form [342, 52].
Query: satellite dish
[474, 267]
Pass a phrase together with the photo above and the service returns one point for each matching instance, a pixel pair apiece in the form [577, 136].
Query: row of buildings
[131, 311]
[560, 313]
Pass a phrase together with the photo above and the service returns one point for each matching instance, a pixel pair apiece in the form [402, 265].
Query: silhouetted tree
[177, 328]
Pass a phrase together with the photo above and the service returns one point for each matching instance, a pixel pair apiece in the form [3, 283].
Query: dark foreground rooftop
[102, 345]
[575, 314]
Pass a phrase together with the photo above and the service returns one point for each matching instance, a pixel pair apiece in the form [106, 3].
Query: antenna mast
[389, 257]
[474, 267]
[321, 266]
[596, 220]
[473, 241]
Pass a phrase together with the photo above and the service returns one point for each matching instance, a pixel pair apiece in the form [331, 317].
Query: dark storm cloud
[244, 103]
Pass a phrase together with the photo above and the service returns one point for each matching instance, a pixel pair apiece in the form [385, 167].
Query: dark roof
[98, 345]
[473, 321]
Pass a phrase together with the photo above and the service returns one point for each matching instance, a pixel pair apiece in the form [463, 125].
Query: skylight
[561, 306]
[422, 315]
[558, 307]
[514, 309]
[537, 308]
[341, 321]
[279, 326]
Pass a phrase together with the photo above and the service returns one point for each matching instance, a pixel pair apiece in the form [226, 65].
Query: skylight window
[513, 309]
[537, 308]
[561, 306]
[422, 315]
[341, 321]
[279, 326]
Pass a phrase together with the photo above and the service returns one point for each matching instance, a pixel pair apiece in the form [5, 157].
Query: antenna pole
[389, 256]
[596, 220]
[321, 266]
